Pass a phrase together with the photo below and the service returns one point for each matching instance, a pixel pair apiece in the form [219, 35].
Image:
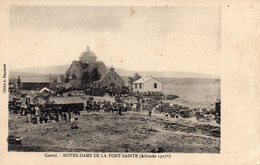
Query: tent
[45, 89]
[66, 103]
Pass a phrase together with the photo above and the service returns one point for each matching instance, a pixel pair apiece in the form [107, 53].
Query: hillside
[61, 69]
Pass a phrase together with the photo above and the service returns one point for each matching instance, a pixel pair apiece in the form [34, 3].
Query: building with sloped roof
[148, 84]
[87, 62]
[34, 82]
[127, 81]
[110, 79]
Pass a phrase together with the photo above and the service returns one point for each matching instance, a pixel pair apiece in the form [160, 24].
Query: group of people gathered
[39, 114]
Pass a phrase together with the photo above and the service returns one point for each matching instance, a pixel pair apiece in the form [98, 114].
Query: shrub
[171, 97]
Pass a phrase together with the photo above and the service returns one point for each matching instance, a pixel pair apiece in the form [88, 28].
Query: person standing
[120, 108]
[150, 112]
[64, 116]
[27, 100]
[56, 117]
[37, 114]
[74, 123]
[69, 114]
[28, 116]
[137, 106]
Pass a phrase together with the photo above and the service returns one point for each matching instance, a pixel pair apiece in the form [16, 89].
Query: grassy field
[107, 132]
[132, 132]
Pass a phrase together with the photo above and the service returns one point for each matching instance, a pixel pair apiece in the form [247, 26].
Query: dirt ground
[108, 132]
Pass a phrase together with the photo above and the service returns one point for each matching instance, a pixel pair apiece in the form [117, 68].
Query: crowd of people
[39, 114]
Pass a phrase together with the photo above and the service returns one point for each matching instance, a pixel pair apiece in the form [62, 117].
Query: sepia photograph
[114, 79]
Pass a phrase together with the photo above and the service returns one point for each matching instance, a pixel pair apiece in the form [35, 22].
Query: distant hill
[61, 69]
[173, 74]
[168, 81]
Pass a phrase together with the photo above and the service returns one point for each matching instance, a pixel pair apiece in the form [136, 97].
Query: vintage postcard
[129, 82]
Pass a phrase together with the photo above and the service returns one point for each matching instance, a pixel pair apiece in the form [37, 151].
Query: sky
[133, 38]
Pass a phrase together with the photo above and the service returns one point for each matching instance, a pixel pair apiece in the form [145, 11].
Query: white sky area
[137, 38]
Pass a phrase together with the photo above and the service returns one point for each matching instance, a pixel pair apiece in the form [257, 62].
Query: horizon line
[209, 74]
